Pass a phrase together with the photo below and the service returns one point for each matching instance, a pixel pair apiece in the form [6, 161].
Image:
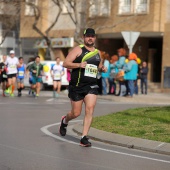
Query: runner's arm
[68, 63]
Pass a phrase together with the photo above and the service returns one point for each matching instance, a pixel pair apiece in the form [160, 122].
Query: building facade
[149, 17]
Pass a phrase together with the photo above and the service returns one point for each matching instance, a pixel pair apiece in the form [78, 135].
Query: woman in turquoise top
[120, 64]
[131, 71]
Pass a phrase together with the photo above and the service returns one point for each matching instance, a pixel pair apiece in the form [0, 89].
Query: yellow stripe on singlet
[85, 58]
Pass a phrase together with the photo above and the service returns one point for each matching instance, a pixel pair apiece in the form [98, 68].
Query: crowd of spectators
[123, 74]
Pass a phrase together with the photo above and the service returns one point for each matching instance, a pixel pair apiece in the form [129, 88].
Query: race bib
[13, 66]
[21, 73]
[4, 76]
[57, 76]
[91, 70]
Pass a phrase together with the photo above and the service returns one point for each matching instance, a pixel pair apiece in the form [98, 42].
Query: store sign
[56, 43]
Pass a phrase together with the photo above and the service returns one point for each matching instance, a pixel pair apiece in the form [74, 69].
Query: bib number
[12, 66]
[91, 70]
[4, 76]
[57, 76]
[21, 73]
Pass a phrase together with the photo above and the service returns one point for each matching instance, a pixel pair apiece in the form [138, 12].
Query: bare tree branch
[57, 17]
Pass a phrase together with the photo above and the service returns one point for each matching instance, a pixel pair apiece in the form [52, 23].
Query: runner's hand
[83, 64]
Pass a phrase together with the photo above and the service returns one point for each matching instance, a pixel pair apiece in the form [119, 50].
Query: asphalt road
[29, 139]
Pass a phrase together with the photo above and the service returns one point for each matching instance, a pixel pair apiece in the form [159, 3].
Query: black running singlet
[86, 76]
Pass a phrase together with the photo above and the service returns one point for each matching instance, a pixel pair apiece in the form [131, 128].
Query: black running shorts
[10, 76]
[77, 94]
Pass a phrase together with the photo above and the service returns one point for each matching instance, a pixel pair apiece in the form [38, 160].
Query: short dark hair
[57, 58]
[20, 58]
[37, 57]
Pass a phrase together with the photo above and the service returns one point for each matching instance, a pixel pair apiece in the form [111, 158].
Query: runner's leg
[38, 85]
[75, 111]
[58, 87]
[90, 102]
[54, 88]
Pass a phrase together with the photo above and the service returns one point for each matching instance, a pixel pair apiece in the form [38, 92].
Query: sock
[64, 121]
[10, 88]
[13, 87]
[82, 137]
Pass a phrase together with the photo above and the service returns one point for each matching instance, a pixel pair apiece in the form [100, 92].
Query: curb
[125, 141]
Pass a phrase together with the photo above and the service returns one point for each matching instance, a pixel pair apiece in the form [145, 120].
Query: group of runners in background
[13, 71]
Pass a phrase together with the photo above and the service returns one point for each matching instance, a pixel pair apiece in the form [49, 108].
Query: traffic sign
[130, 38]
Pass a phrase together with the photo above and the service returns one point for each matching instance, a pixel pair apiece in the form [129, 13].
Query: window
[29, 10]
[99, 8]
[125, 6]
[142, 6]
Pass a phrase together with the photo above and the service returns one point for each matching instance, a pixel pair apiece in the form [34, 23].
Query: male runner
[37, 70]
[12, 64]
[57, 71]
[3, 75]
[20, 76]
[85, 61]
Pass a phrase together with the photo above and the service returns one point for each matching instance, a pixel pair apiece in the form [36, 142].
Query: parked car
[46, 78]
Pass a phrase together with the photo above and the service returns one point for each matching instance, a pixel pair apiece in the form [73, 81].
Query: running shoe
[54, 94]
[36, 96]
[3, 94]
[29, 92]
[19, 94]
[85, 142]
[63, 127]
[12, 94]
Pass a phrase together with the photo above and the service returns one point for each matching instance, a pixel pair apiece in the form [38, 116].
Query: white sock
[82, 137]
[64, 121]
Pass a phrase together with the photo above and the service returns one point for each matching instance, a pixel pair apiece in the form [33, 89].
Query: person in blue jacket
[131, 71]
[119, 65]
[20, 76]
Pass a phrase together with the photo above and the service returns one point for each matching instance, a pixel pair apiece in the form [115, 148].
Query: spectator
[138, 77]
[105, 75]
[144, 73]
[131, 69]
[113, 71]
[120, 64]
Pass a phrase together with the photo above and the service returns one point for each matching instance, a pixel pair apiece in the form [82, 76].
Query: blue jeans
[104, 86]
[131, 87]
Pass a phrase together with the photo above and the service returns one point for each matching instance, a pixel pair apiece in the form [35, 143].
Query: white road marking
[159, 145]
[45, 130]
[49, 100]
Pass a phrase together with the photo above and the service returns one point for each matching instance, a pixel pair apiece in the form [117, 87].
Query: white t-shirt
[12, 65]
[57, 71]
